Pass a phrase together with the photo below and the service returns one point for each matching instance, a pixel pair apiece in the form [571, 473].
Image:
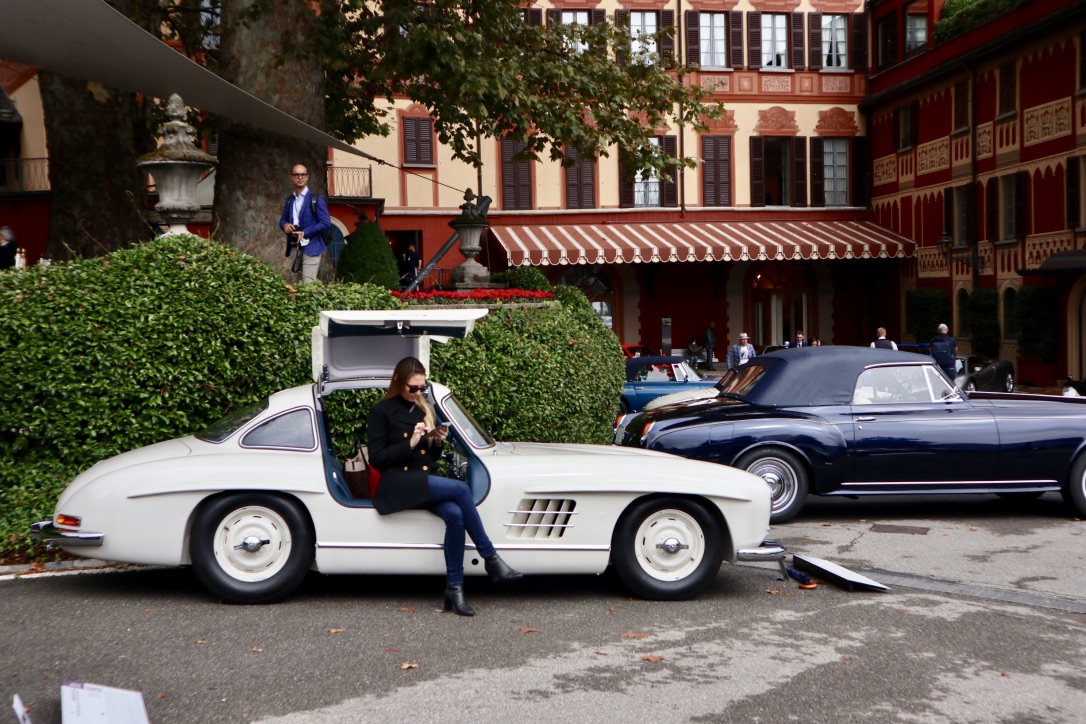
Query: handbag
[356, 473]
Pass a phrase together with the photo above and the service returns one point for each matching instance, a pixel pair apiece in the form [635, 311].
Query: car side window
[293, 430]
[940, 388]
[892, 385]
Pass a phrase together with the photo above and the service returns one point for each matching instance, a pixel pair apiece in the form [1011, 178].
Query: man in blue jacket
[305, 218]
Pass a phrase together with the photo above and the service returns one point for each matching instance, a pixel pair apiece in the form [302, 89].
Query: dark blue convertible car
[859, 421]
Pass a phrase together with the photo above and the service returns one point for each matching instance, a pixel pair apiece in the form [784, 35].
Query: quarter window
[293, 430]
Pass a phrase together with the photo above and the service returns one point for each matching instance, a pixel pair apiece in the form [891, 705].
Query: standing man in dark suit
[799, 342]
[306, 219]
[710, 344]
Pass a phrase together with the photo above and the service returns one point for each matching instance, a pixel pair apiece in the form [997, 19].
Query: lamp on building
[470, 227]
[970, 257]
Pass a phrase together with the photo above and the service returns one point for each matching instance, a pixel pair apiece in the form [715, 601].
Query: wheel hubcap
[670, 545]
[780, 478]
[252, 543]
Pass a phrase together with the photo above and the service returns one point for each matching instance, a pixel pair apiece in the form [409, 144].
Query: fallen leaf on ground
[257, 649]
[604, 653]
[846, 657]
[653, 658]
[973, 529]
[632, 635]
[408, 665]
[612, 610]
[336, 630]
[148, 610]
[201, 642]
[772, 591]
[827, 525]
[391, 650]
[528, 629]
[408, 608]
[160, 696]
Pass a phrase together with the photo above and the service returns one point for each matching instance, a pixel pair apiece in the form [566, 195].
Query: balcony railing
[345, 181]
[24, 174]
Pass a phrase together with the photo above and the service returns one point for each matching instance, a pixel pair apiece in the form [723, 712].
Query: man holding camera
[305, 219]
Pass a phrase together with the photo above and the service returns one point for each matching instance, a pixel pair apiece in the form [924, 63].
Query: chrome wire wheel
[786, 477]
[252, 543]
[669, 545]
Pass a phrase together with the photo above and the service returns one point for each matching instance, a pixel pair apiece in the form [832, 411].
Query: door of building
[782, 300]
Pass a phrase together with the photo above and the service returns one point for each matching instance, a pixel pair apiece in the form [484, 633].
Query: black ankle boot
[454, 601]
[499, 570]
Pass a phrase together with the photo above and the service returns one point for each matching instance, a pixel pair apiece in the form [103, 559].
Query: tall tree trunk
[253, 176]
[99, 195]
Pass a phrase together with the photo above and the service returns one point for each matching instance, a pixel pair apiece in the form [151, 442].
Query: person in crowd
[944, 350]
[882, 342]
[741, 353]
[710, 344]
[412, 265]
[305, 218]
[8, 248]
[797, 342]
[1069, 389]
[405, 443]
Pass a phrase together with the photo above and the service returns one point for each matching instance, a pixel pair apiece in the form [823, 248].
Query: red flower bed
[475, 295]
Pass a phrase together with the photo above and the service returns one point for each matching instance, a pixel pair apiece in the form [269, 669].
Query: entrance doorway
[783, 298]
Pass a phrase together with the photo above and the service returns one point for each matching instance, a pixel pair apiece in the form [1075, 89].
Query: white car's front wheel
[251, 547]
[667, 548]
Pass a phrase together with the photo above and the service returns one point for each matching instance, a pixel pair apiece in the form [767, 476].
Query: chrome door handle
[865, 419]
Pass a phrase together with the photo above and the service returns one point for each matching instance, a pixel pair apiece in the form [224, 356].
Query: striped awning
[618, 243]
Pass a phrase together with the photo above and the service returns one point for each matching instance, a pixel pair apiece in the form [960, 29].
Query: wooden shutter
[735, 42]
[667, 43]
[622, 52]
[693, 38]
[814, 45]
[799, 171]
[857, 45]
[580, 181]
[948, 210]
[625, 185]
[516, 177]
[418, 140]
[671, 187]
[533, 16]
[754, 40]
[796, 22]
[757, 171]
[993, 210]
[818, 172]
[1021, 205]
[716, 152]
[857, 172]
[554, 18]
[597, 16]
[1074, 204]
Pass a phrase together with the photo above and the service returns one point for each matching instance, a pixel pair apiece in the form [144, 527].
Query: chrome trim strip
[52, 536]
[1002, 483]
[438, 546]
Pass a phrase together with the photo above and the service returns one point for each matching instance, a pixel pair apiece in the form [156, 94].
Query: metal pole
[484, 204]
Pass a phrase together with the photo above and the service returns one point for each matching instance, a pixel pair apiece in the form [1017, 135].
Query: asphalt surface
[985, 622]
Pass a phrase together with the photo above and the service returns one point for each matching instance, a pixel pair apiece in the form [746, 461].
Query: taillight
[69, 521]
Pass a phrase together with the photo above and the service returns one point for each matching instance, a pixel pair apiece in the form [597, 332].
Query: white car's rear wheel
[667, 548]
[251, 547]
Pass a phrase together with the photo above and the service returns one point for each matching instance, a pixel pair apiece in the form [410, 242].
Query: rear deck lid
[368, 343]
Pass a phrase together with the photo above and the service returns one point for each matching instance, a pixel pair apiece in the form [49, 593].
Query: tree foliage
[925, 309]
[1039, 322]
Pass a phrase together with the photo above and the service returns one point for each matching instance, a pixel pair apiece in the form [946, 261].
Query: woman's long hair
[405, 370]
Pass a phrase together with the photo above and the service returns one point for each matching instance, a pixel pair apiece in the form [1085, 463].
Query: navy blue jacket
[312, 227]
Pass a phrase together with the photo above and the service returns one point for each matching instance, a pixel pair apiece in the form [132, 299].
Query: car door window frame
[246, 439]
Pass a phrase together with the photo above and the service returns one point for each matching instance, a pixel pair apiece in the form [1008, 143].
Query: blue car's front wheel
[786, 476]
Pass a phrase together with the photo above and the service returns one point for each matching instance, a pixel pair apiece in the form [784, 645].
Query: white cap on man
[943, 328]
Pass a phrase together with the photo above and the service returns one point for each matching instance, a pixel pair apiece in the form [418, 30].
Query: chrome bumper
[767, 551]
[52, 536]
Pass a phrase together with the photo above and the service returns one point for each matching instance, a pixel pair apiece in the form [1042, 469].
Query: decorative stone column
[177, 166]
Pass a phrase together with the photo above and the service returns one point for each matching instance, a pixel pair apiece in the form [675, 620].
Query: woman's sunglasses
[415, 388]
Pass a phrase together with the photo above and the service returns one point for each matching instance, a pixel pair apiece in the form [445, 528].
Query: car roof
[819, 375]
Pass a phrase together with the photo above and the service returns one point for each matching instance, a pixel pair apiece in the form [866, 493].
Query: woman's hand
[439, 434]
[417, 433]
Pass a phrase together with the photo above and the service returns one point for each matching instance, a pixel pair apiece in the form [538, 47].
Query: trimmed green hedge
[961, 16]
[367, 258]
[105, 355]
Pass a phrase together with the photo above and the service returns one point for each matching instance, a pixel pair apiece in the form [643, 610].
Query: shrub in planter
[368, 259]
[523, 277]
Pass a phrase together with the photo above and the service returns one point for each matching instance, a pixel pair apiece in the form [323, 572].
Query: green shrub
[367, 258]
[523, 277]
[961, 16]
[925, 309]
[1039, 322]
[983, 313]
[155, 342]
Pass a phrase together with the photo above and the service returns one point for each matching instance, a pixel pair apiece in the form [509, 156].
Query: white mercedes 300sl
[259, 499]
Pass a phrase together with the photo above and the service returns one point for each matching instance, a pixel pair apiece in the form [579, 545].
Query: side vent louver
[541, 518]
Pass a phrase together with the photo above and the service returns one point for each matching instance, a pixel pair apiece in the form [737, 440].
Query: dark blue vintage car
[860, 421]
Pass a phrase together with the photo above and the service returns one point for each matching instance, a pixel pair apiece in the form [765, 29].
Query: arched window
[1010, 313]
[591, 280]
[961, 329]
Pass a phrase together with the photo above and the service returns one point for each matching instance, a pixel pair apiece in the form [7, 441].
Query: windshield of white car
[465, 423]
[232, 422]
[739, 382]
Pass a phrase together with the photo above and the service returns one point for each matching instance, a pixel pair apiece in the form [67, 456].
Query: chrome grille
[541, 518]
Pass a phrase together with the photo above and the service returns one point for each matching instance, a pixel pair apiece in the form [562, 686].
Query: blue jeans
[451, 501]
